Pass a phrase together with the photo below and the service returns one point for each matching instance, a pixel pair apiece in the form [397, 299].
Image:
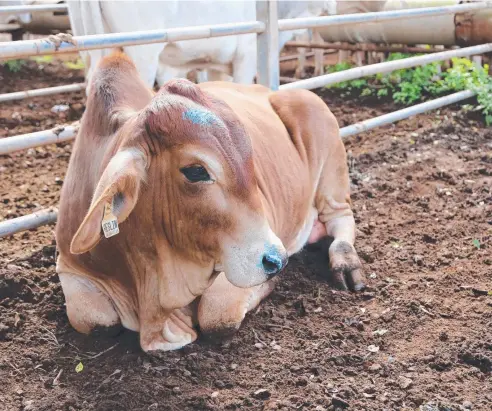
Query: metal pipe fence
[386, 67]
[58, 134]
[33, 9]
[267, 28]
[20, 95]
[47, 216]
[378, 17]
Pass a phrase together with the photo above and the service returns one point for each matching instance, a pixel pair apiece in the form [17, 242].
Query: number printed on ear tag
[109, 222]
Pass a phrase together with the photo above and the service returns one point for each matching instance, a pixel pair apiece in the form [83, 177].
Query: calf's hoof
[345, 266]
[100, 331]
[220, 334]
[176, 332]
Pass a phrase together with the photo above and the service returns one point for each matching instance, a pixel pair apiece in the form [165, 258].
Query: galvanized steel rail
[28, 222]
[11, 144]
[402, 114]
[33, 9]
[377, 17]
[20, 95]
[64, 43]
[386, 67]
[58, 134]
[67, 44]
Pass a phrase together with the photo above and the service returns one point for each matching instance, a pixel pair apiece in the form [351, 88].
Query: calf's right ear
[114, 199]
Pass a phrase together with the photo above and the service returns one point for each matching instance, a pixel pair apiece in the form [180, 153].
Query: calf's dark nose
[273, 263]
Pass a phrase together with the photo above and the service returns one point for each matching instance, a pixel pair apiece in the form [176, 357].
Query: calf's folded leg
[88, 308]
[223, 306]
[165, 331]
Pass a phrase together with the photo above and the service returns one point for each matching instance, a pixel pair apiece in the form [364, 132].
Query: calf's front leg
[223, 306]
[333, 205]
[88, 308]
[345, 265]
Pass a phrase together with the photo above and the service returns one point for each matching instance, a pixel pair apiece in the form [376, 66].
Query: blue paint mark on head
[200, 117]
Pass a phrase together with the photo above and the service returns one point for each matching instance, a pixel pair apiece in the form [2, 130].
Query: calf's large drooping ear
[116, 195]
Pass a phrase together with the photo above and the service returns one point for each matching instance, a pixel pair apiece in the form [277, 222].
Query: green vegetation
[408, 86]
[13, 65]
[71, 65]
[78, 65]
[42, 59]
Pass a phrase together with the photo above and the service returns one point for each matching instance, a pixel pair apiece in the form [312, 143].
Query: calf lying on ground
[202, 193]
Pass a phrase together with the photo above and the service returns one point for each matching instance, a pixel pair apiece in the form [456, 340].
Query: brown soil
[420, 336]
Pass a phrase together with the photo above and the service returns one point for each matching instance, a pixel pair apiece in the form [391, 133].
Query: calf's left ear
[114, 199]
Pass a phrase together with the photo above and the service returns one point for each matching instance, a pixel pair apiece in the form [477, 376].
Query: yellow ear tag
[109, 222]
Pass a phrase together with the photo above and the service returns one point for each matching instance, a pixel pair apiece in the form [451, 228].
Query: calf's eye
[195, 173]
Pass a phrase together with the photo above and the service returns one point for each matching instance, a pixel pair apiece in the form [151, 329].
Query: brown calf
[196, 191]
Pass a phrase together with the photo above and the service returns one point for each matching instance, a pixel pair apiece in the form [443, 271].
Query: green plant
[78, 65]
[13, 65]
[42, 59]
[407, 86]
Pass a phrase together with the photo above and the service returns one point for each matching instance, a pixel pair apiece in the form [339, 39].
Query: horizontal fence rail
[48, 216]
[362, 47]
[20, 95]
[386, 67]
[28, 222]
[33, 9]
[66, 44]
[402, 114]
[40, 138]
[11, 144]
[377, 17]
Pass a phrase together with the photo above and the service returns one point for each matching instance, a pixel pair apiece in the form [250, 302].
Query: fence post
[268, 45]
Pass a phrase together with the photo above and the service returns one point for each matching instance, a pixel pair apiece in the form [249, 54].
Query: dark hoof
[219, 335]
[345, 267]
[107, 332]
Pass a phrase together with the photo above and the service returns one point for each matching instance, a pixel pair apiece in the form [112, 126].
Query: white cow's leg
[319, 55]
[301, 63]
[87, 306]
[343, 55]
[217, 75]
[223, 306]
[146, 60]
[166, 73]
[202, 76]
[359, 58]
[301, 60]
[243, 69]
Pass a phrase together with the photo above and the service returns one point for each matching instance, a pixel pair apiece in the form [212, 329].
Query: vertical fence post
[268, 45]
[477, 60]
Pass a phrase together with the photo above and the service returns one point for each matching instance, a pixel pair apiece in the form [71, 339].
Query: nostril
[272, 264]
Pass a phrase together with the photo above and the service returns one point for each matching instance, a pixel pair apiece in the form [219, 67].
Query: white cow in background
[233, 55]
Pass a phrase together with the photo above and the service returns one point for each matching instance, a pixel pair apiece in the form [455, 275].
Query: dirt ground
[419, 336]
